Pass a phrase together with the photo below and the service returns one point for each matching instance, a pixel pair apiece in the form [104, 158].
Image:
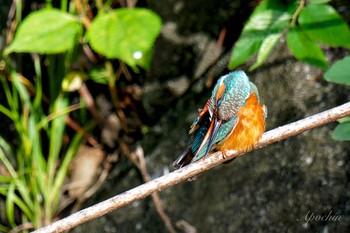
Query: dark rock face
[297, 185]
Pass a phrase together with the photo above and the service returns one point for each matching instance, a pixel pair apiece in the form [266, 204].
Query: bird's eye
[219, 101]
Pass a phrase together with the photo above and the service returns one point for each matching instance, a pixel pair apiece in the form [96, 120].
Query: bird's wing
[204, 115]
[198, 129]
[224, 131]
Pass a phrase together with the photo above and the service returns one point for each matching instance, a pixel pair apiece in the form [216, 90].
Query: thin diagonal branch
[191, 170]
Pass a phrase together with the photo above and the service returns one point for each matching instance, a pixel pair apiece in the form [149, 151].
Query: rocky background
[284, 187]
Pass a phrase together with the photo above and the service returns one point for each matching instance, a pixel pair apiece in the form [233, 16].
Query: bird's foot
[224, 155]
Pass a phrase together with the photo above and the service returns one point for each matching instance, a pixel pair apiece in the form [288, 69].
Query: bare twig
[137, 157]
[191, 170]
[90, 104]
[76, 127]
[155, 196]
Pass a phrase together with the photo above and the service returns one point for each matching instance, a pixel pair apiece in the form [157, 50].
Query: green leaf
[61, 173]
[263, 23]
[305, 49]
[322, 23]
[23, 92]
[344, 119]
[26, 210]
[46, 31]
[4, 160]
[317, 1]
[265, 49]
[5, 179]
[4, 229]
[278, 5]
[339, 72]
[10, 205]
[342, 132]
[243, 49]
[125, 34]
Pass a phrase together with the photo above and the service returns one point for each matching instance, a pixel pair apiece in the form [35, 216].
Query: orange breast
[250, 127]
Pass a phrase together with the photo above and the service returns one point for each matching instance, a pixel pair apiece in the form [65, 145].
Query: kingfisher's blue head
[229, 95]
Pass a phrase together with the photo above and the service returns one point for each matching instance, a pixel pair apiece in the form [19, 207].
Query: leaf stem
[297, 13]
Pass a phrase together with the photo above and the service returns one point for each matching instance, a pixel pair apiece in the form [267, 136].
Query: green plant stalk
[30, 178]
[10, 205]
[36, 182]
[56, 134]
[21, 125]
[48, 3]
[19, 5]
[30, 163]
[38, 176]
[64, 4]
[56, 71]
[12, 100]
[64, 111]
[38, 84]
[63, 169]
[297, 13]
[6, 162]
[3, 228]
[112, 79]
[20, 203]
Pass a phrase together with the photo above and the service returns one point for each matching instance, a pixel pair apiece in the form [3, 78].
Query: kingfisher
[232, 119]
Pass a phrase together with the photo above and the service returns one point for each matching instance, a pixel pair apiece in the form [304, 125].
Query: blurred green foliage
[306, 25]
[125, 34]
[32, 174]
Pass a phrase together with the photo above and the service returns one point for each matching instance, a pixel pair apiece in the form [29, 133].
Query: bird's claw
[224, 155]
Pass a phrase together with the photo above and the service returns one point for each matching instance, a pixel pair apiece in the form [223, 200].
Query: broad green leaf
[339, 72]
[342, 132]
[322, 23]
[125, 34]
[305, 49]
[317, 1]
[265, 49]
[244, 48]
[47, 31]
[259, 27]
